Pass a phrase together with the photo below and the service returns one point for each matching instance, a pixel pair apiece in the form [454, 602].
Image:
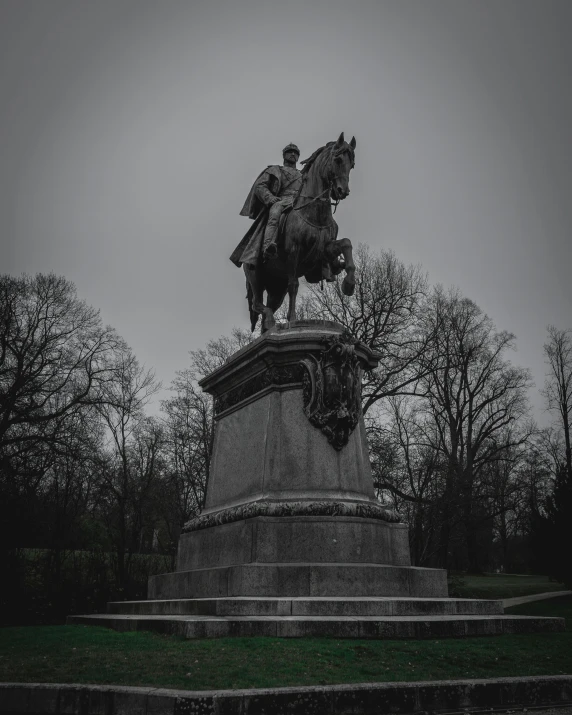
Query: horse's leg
[274, 300]
[293, 283]
[257, 307]
[292, 293]
[250, 300]
[344, 246]
[267, 319]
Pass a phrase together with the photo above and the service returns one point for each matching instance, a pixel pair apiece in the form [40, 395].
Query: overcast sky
[131, 132]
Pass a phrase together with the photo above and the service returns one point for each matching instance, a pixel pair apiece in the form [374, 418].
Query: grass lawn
[504, 586]
[88, 654]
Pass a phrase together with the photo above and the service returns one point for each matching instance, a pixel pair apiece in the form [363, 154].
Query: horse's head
[342, 161]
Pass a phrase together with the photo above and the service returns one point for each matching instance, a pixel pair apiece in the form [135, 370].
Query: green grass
[504, 586]
[82, 654]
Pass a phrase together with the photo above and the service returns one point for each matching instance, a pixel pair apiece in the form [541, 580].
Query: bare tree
[188, 421]
[558, 385]
[556, 528]
[517, 483]
[406, 465]
[551, 445]
[55, 359]
[476, 399]
[67, 488]
[129, 466]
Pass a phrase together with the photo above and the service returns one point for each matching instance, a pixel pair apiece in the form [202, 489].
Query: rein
[335, 204]
[316, 198]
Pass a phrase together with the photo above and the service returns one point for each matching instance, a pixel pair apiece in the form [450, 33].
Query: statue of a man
[272, 192]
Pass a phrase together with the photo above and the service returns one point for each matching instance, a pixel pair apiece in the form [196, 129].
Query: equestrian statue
[294, 233]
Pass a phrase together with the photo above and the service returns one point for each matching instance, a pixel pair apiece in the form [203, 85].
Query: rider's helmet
[291, 147]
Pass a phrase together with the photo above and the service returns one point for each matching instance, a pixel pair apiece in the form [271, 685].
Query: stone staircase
[337, 617]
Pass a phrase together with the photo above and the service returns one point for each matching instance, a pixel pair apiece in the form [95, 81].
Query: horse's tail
[250, 299]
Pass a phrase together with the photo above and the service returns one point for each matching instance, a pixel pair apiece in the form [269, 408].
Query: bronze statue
[272, 192]
[299, 236]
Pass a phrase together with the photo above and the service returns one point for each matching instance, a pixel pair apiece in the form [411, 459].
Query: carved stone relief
[331, 389]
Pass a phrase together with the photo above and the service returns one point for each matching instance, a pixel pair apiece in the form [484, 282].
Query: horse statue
[308, 245]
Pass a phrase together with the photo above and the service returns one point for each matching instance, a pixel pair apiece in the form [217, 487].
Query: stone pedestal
[290, 507]
[292, 541]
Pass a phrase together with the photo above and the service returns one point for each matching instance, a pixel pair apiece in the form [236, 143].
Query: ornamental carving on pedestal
[276, 376]
[264, 507]
[331, 389]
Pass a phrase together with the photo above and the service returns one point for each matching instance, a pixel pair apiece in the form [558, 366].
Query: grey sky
[131, 131]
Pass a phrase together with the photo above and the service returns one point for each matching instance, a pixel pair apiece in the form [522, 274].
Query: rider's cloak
[249, 249]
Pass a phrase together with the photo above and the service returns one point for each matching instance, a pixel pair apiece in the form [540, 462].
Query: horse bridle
[318, 197]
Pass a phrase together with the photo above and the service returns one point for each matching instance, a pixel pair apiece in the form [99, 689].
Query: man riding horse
[272, 192]
[274, 253]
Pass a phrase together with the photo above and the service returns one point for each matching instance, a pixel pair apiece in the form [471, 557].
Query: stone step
[340, 606]
[392, 627]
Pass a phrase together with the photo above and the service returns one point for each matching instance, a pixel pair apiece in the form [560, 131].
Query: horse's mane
[307, 163]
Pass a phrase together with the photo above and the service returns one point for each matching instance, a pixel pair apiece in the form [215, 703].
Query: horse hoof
[348, 287]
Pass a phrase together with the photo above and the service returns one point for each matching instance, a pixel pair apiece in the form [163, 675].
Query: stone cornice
[364, 510]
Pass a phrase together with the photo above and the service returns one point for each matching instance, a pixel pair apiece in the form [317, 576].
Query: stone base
[284, 539]
[294, 580]
[334, 617]
[304, 579]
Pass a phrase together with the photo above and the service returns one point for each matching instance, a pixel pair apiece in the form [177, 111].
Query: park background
[130, 134]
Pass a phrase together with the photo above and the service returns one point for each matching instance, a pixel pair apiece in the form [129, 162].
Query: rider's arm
[263, 189]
